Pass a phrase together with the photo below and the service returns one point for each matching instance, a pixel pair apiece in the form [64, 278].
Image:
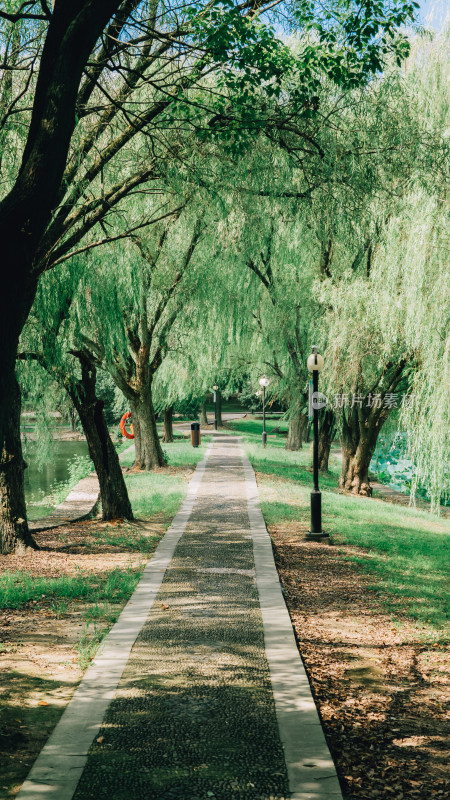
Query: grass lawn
[406, 550]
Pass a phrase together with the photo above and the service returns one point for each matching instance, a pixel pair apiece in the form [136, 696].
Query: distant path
[83, 499]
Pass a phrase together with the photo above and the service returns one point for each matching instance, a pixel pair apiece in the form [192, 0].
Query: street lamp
[264, 382]
[315, 365]
[215, 406]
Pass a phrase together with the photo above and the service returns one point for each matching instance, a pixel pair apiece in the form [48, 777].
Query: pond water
[39, 480]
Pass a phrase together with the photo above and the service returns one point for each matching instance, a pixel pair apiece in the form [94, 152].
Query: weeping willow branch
[129, 234]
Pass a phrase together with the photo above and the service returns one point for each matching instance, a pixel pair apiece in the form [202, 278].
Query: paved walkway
[198, 691]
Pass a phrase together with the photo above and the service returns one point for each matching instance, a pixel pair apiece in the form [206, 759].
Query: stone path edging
[311, 771]
[58, 768]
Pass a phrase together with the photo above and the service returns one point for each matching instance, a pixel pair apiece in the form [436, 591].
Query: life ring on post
[123, 429]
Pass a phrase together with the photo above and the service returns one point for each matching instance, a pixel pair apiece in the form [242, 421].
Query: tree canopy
[258, 156]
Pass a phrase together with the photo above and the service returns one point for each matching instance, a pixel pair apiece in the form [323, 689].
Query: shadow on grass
[408, 551]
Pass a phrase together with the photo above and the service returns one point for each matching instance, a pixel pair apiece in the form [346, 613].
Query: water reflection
[39, 479]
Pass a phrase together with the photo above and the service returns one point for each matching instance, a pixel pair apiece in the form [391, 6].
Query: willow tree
[419, 261]
[424, 260]
[377, 327]
[215, 328]
[131, 306]
[50, 341]
[324, 222]
[82, 73]
[306, 215]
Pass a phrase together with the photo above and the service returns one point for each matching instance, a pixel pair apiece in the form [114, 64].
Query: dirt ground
[39, 664]
[380, 688]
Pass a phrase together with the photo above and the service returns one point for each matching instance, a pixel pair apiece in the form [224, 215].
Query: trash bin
[195, 434]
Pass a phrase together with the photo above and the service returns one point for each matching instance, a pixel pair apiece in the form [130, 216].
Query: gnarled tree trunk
[297, 426]
[113, 491]
[149, 452]
[327, 432]
[203, 414]
[355, 469]
[168, 425]
[360, 430]
[14, 533]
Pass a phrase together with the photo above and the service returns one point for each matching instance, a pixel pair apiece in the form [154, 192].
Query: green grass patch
[155, 494]
[126, 536]
[276, 461]
[251, 428]
[407, 550]
[20, 587]
[38, 511]
[100, 597]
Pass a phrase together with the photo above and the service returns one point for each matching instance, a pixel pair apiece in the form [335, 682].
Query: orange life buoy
[123, 429]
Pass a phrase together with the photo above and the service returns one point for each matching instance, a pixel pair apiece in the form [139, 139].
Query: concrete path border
[58, 768]
[311, 771]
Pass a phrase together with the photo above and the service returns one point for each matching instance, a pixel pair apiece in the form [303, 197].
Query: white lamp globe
[215, 387]
[315, 361]
[264, 381]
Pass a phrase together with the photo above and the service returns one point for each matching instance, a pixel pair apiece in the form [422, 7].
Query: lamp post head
[215, 387]
[264, 381]
[315, 361]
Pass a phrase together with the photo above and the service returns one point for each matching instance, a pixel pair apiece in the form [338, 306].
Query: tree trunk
[113, 491]
[25, 212]
[137, 434]
[297, 425]
[359, 436]
[149, 452]
[14, 534]
[203, 414]
[168, 425]
[16, 299]
[73, 419]
[327, 432]
[219, 409]
[355, 469]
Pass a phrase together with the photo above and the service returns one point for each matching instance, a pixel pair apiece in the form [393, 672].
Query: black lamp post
[215, 406]
[264, 382]
[315, 365]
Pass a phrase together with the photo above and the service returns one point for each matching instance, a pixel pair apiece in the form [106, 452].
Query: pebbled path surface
[194, 716]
